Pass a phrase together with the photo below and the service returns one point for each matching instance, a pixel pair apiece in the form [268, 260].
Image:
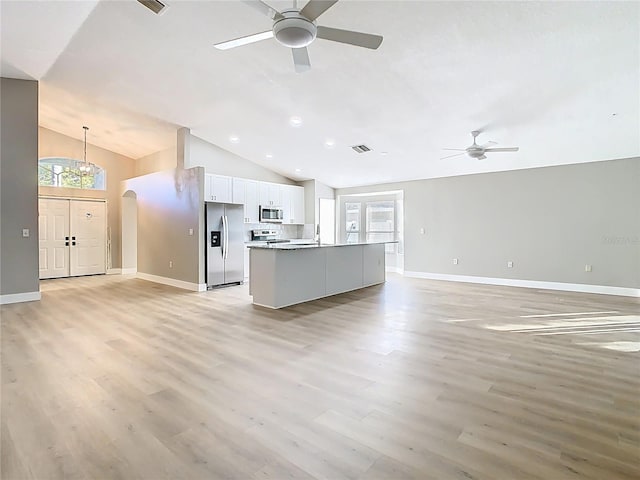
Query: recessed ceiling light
[268, 155]
[329, 143]
[234, 139]
[295, 121]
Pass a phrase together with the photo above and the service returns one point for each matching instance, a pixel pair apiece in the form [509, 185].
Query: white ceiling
[561, 80]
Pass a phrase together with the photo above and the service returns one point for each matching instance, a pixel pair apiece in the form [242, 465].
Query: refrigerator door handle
[225, 236]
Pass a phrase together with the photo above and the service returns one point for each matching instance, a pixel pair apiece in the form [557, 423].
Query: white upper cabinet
[297, 205]
[253, 194]
[270, 194]
[293, 204]
[217, 188]
[246, 192]
[238, 186]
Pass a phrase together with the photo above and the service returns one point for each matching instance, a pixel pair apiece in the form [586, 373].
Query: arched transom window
[70, 173]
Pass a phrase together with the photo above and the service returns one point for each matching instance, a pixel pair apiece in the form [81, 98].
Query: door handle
[225, 236]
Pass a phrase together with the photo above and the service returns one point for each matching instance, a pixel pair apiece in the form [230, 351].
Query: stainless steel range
[264, 235]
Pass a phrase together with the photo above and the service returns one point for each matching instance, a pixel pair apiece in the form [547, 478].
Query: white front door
[72, 237]
[53, 226]
[88, 221]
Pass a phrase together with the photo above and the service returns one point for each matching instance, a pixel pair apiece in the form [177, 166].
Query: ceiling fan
[296, 29]
[478, 151]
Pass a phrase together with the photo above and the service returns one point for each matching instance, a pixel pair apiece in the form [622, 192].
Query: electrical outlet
[509, 264]
[170, 264]
[455, 261]
[587, 268]
[25, 232]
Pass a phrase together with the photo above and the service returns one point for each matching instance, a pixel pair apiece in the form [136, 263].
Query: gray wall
[550, 222]
[156, 162]
[222, 162]
[18, 186]
[313, 192]
[118, 168]
[169, 204]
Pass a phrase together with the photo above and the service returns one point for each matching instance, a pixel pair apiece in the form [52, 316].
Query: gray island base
[283, 275]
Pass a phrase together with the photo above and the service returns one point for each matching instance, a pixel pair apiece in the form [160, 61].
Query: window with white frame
[352, 219]
[70, 173]
[381, 222]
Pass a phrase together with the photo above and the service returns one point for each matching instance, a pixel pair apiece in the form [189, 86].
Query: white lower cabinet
[247, 263]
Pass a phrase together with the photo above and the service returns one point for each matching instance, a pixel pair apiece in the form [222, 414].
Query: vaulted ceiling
[561, 80]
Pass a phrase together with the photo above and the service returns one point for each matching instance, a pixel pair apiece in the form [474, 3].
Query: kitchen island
[287, 274]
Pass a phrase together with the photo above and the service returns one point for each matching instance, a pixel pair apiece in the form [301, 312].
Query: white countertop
[290, 241]
[298, 246]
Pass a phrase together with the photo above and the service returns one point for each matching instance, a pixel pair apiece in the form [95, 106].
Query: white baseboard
[394, 269]
[195, 287]
[567, 287]
[19, 297]
[128, 271]
[114, 271]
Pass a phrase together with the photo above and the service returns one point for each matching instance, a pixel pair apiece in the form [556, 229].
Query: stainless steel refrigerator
[225, 244]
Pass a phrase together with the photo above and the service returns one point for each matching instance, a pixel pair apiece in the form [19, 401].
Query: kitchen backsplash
[284, 231]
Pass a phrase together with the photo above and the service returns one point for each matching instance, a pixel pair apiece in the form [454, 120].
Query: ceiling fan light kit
[294, 31]
[297, 29]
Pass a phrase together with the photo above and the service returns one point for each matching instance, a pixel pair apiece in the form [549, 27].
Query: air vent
[154, 5]
[361, 148]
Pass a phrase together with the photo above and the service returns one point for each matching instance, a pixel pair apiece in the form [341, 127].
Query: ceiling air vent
[154, 5]
[361, 148]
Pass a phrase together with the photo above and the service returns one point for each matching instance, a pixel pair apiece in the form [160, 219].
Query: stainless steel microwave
[271, 214]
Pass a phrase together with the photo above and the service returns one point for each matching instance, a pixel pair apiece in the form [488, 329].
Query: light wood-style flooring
[115, 377]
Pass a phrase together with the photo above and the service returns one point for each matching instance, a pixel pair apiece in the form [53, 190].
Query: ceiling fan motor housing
[294, 30]
[475, 151]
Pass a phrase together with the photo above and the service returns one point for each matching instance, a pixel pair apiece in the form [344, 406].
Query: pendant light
[86, 168]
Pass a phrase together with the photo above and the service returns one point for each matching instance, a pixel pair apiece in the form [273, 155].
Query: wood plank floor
[114, 377]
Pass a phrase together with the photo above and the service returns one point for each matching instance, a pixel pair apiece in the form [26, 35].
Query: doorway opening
[374, 217]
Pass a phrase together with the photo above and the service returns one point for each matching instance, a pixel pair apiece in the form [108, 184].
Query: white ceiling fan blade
[481, 157]
[488, 144]
[301, 59]
[237, 42]
[504, 149]
[358, 39]
[454, 155]
[315, 8]
[456, 149]
[262, 7]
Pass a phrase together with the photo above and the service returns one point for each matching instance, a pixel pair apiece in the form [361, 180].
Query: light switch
[587, 268]
[422, 231]
[190, 231]
[25, 232]
[455, 261]
[509, 264]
